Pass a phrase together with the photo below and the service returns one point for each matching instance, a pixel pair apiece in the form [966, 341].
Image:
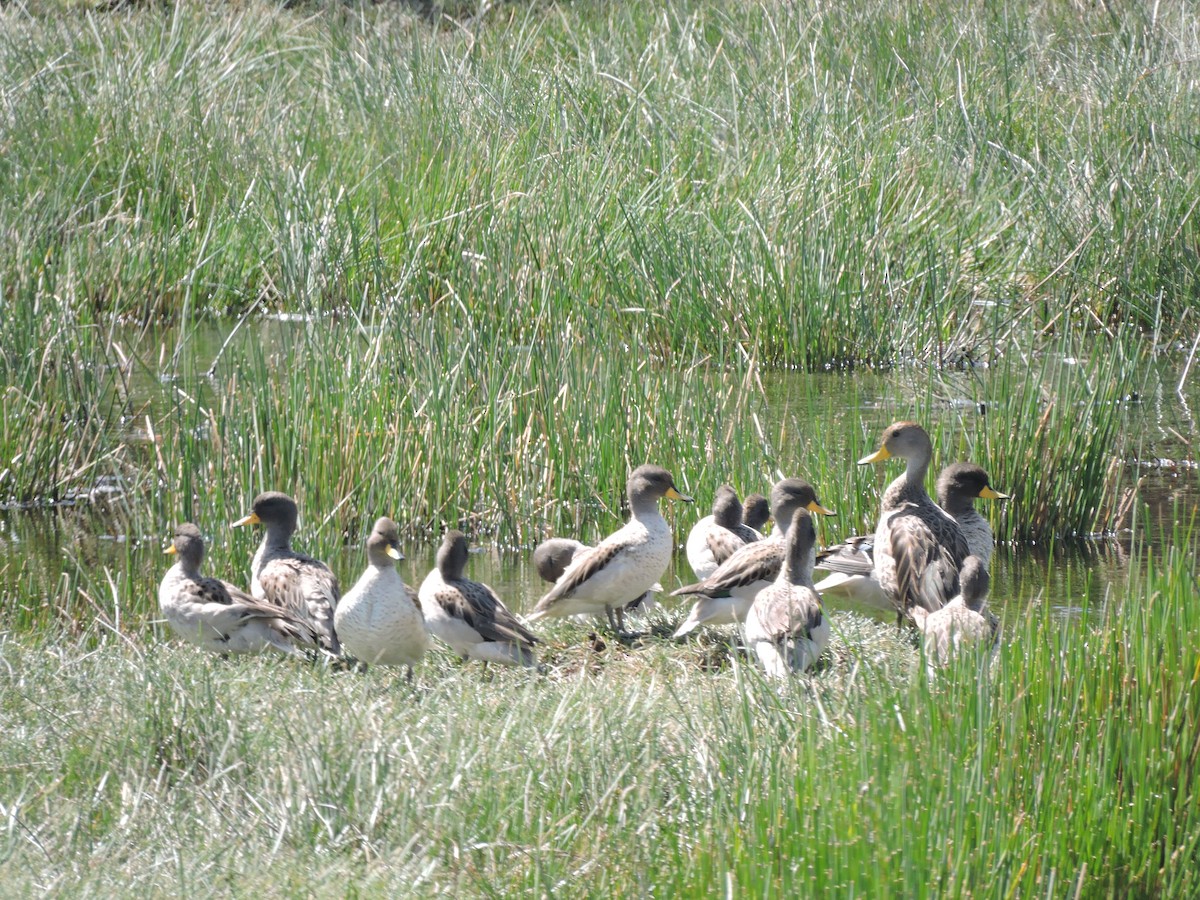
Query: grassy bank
[471, 275]
[143, 765]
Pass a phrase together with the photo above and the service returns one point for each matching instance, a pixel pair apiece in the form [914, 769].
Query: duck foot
[616, 622]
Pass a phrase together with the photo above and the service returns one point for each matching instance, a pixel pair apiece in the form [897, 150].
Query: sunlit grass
[865, 182]
[525, 255]
[146, 765]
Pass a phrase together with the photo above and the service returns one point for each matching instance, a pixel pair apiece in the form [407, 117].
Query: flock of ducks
[927, 562]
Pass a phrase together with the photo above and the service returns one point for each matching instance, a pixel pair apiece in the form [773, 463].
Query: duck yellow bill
[673, 494]
[251, 519]
[818, 508]
[170, 548]
[394, 553]
[988, 494]
[878, 456]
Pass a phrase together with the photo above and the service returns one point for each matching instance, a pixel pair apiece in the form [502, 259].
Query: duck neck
[909, 487]
[916, 470]
[783, 525]
[643, 508]
[452, 561]
[798, 564]
[277, 537]
[189, 568]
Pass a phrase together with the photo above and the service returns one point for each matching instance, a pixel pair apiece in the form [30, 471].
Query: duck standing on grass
[379, 621]
[960, 622]
[918, 547]
[786, 626]
[851, 564]
[726, 595]
[286, 578]
[717, 537]
[623, 566]
[467, 615]
[218, 617]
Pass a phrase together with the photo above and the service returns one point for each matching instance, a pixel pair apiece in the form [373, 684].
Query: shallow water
[42, 546]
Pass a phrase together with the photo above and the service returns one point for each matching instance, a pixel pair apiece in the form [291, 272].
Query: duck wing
[760, 561]
[928, 550]
[853, 556]
[723, 543]
[227, 607]
[479, 607]
[586, 565]
[788, 614]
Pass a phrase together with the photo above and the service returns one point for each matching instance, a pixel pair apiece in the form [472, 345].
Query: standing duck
[626, 564]
[786, 626]
[552, 556]
[218, 617]
[467, 615]
[918, 547]
[287, 578]
[379, 621]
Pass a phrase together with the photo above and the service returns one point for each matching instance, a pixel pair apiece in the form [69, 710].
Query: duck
[726, 595]
[717, 537]
[215, 615]
[379, 620]
[851, 563]
[958, 486]
[287, 578]
[552, 556]
[962, 621]
[626, 564]
[756, 512]
[918, 547]
[467, 615]
[786, 626]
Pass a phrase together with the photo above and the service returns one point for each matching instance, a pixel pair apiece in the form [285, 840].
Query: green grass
[145, 766]
[527, 254]
[573, 240]
[814, 183]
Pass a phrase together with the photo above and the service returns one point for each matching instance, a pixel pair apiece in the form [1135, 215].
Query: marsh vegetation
[468, 274]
